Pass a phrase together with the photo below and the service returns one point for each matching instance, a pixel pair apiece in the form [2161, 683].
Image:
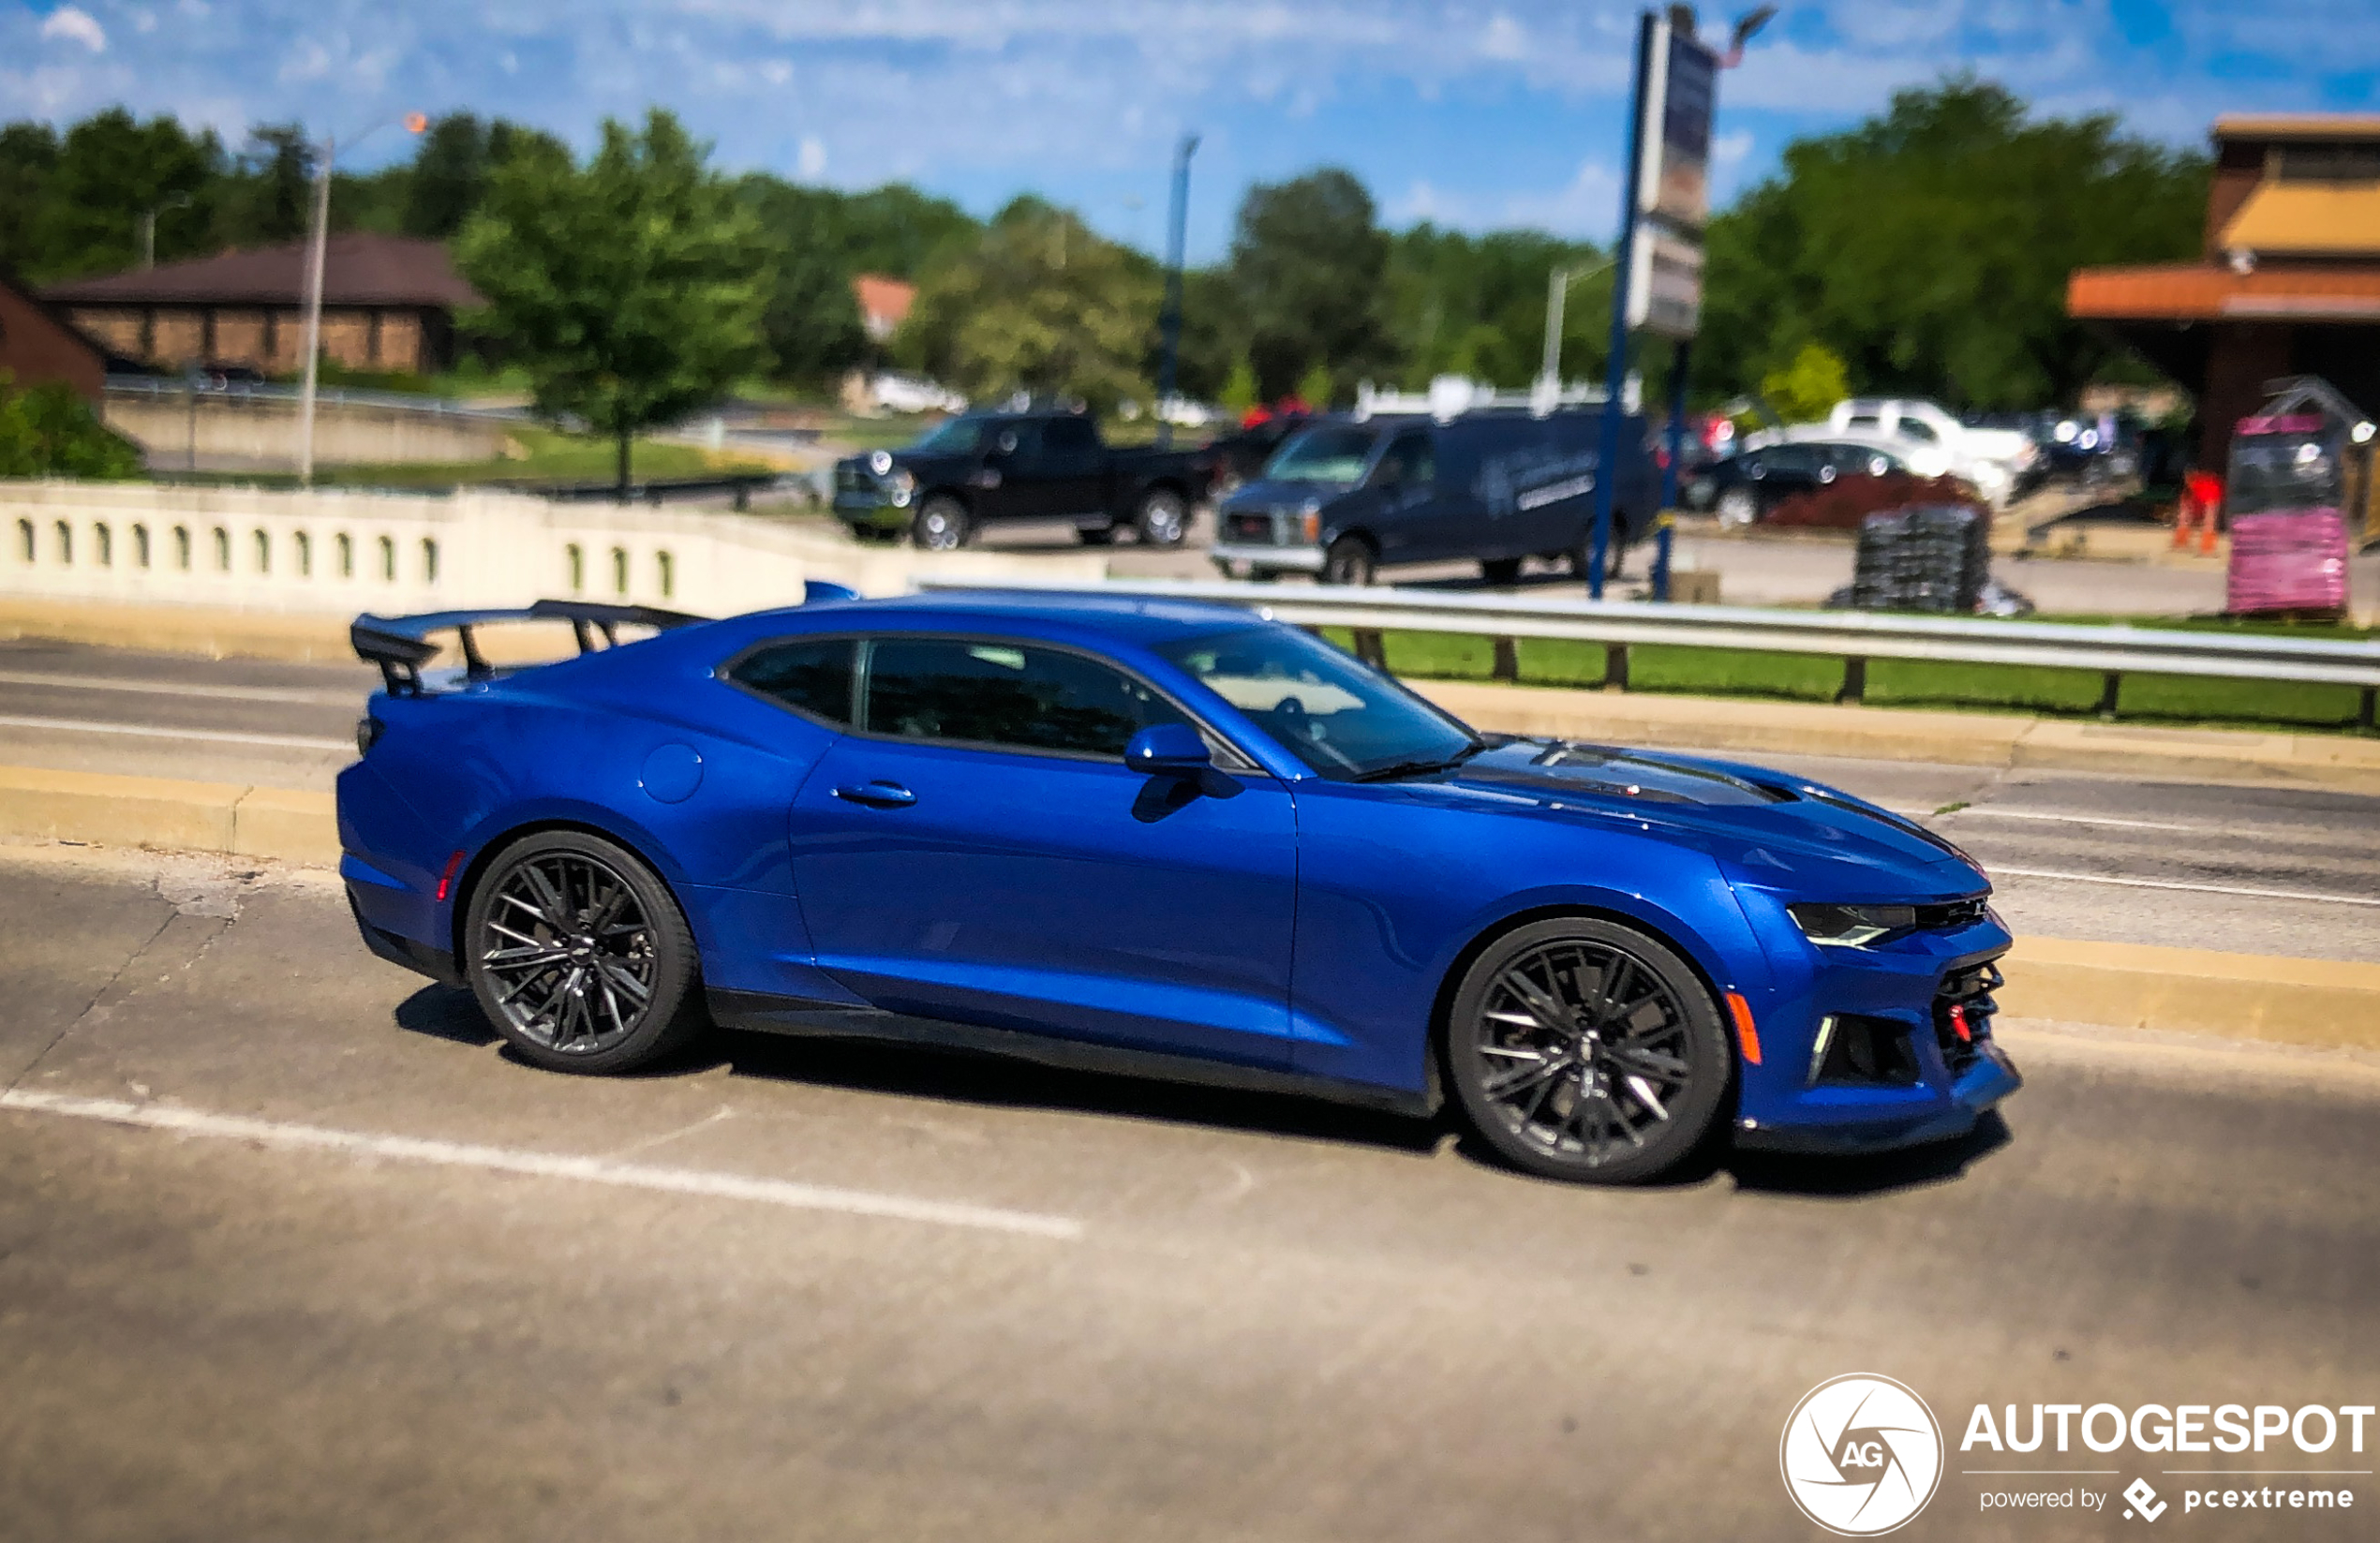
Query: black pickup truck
[987, 469]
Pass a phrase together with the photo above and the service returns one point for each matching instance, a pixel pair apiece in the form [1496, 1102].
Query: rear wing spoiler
[398, 645]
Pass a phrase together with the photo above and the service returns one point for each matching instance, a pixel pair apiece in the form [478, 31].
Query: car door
[1413, 523]
[977, 851]
[1012, 483]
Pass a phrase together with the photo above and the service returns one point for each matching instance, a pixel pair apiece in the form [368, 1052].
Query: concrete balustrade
[337, 553]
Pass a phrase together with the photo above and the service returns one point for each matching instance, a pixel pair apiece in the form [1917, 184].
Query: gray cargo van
[1343, 498]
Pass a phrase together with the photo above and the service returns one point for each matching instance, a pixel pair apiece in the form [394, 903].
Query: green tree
[1930, 246]
[812, 319]
[630, 290]
[110, 170]
[1315, 387]
[28, 161]
[48, 431]
[1307, 260]
[1239, 392]
[1037, 304]
[450, 172]
[268, 199]
[1474, 306]
[1808, 387]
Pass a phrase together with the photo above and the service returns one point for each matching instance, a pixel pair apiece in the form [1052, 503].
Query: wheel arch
[643, 849]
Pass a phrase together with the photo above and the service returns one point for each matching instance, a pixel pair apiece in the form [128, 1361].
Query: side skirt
[794, 1015]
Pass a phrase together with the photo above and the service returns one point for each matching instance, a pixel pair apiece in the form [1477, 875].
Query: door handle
[879, 795]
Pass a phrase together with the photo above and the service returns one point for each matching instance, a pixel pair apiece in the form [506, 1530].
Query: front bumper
[873, 509]
[1279, 559]
[1991, 1077]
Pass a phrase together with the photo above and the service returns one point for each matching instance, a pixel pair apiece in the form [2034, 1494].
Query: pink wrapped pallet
[2288, 559]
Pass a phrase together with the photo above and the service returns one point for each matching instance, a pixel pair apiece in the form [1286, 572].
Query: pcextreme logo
[1861, 1455]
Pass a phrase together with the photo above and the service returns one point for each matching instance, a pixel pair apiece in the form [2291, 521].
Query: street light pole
[1557, 287]
[1169, 320]
[149, 229]
[317, 251]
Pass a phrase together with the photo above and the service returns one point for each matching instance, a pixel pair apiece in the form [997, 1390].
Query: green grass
[551, 456]
[1891, 683]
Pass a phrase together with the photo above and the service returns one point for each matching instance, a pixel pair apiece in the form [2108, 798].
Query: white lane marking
[163, 688]
[1990, 813]
[591, 1170]
[147, 731]
[1999, 872]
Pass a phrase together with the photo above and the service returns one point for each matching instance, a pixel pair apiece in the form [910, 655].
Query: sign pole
[1679, 365]
[1616, 372]
[1169, 321]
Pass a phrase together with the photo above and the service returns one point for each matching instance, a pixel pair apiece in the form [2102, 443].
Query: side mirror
[1168, 749]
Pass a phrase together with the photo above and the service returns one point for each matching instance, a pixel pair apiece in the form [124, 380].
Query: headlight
[880, 462]
[1851, 925]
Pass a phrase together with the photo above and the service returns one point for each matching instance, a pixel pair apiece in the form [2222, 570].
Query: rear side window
[809, 676]
[1068, 435]
[1014, 696]
[1917, 428]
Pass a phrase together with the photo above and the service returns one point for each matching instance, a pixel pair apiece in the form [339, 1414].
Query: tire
[1349, 560]
[1164, 519]
[941, 524]
[1737, 508]
[542, 893]
[1500, 570]
[1580, 1092]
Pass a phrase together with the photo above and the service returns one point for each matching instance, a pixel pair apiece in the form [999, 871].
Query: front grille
[1963, 1010]
[1250, 527]
[1950, 916]
[853, 479]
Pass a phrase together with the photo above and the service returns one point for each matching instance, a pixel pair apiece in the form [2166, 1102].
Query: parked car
[985, 469]
[1743, 487]
[890, 391]
[1164, 838]
[1343, 498]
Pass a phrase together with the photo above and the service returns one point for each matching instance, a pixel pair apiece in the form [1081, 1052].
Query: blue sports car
[1166, 838]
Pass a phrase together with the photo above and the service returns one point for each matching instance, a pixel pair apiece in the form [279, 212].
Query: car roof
[1125, 618]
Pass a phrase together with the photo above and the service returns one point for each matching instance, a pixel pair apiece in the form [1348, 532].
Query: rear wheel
[579, 955]
[1164, 518]
[940, 525]
[1586, 1050]
[1349, 560]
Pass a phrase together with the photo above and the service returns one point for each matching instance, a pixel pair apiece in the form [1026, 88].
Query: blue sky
[1474, 113]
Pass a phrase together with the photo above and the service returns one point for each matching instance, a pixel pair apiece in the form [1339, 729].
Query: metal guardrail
[1854, 637]
[180, 388]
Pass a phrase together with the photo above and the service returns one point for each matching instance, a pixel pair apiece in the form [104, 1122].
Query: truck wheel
[941, 524]
[1164, 519]
[1350, 561]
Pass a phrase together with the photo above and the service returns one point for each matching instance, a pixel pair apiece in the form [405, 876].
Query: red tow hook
[1958, 1025]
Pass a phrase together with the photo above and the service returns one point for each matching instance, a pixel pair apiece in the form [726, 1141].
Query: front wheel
[1349, 560]
[1738, 508]
[1586, 1050]
[579, 955]
[1164, 519]
[941, 525]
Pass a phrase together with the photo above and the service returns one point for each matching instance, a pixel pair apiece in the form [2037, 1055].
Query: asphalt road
[731, 1299]
[2272, 871]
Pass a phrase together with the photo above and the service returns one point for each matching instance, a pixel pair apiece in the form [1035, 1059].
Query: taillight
[446, 879]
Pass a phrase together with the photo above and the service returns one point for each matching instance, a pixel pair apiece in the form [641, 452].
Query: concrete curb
[181, 630]
[280, 824]
[2335, 762]
[2316, 1002]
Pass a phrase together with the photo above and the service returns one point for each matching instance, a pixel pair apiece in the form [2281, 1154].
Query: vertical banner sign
[1673, 182]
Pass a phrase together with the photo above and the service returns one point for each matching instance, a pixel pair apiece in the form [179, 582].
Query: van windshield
[1332, 453]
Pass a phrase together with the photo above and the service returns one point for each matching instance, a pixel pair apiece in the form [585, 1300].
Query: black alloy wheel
[1584, 1050]
[1349, 560]
[579, 955]
[1164, 518]
[940, 525]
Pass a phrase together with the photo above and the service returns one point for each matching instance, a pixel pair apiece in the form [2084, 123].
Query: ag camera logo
[1861, 1455]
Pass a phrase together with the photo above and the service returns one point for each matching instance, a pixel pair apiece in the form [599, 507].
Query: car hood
[1768, 829]
[1266, 496]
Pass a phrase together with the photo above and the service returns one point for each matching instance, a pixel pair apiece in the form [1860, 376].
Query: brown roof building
[2289, 283]
[388, 303]
[883, 303]
[38, 346]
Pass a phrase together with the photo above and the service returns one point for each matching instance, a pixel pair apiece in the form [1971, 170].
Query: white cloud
[812, 162]
[73, 24]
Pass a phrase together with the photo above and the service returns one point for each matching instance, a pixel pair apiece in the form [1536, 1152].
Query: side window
[1917, 428]
[1070, 436]
[1408, 463]
[1015, 696]
[811, 677]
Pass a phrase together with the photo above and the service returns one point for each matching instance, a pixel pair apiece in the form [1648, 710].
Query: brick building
[388, 303]
[2288, 285]
[38, 346]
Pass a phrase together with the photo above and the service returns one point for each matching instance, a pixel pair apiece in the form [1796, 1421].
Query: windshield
[1328, 454]
[1330, 712]
[954, 437]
